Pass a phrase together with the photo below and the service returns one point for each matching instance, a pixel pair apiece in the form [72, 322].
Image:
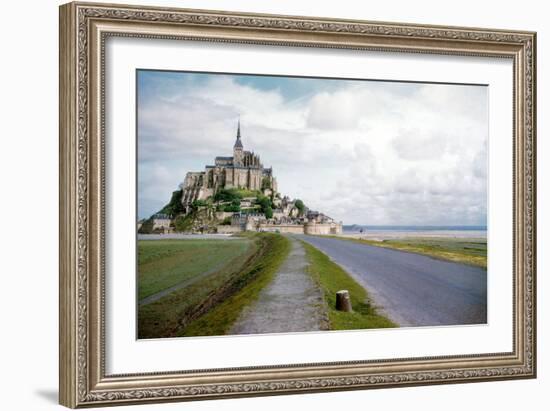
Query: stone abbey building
[243, 170]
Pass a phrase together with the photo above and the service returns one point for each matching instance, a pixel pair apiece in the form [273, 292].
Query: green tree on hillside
[227, 195]
[235, 206]
[266, 206]
[299, 204]
[184, 223]
[174, 206]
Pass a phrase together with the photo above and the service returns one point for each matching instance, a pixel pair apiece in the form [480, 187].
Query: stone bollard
[343, 302]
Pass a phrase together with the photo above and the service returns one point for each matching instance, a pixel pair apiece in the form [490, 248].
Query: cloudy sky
[363, 152]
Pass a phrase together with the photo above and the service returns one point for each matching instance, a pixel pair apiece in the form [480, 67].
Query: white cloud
[364, 152]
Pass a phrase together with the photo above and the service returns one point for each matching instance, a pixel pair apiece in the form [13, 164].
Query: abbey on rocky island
[242, 171]
[236, 194]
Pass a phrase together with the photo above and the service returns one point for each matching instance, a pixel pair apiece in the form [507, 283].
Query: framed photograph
[260, 204]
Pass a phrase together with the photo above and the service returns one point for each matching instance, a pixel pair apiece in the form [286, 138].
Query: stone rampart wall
[228, 229]
[323, 228]
[282, 228]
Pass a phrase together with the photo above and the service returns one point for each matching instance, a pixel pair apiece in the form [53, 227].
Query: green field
[332, 278]
[214, 274]
[165, 263]
[459, 250]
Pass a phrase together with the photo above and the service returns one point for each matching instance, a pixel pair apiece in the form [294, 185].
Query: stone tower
[238, 148]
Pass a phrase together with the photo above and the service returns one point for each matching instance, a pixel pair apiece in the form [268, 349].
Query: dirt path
[292, 302]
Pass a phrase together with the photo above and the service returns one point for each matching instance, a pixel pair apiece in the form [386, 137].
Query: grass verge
[332, 278]
[463, 251]
[250, 281]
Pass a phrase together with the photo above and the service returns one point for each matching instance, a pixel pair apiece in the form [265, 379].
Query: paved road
[292, 302]
[411, 289]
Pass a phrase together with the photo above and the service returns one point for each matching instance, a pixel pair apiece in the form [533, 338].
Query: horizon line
[418, 225]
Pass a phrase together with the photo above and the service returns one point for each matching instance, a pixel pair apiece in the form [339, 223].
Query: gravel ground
[292, 302]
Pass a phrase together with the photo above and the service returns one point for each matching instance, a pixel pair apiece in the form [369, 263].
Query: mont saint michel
[237, 193]
[279, 204]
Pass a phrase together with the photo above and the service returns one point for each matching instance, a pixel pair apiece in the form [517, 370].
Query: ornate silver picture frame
[84, 30]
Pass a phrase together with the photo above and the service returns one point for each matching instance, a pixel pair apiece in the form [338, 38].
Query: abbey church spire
[238, 155]
[238, 142]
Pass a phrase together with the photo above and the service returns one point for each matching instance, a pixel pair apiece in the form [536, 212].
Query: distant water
[394, 231]
[356, 227]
